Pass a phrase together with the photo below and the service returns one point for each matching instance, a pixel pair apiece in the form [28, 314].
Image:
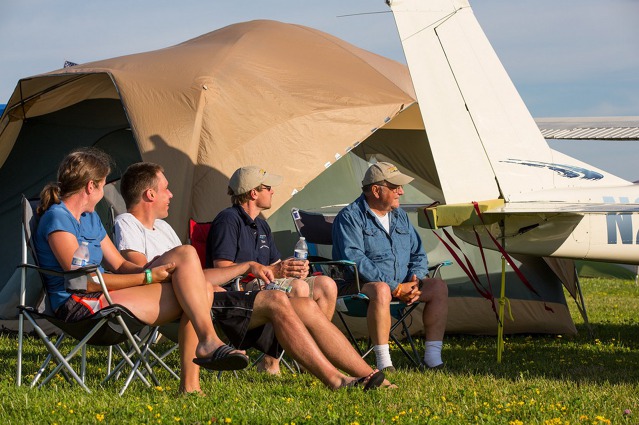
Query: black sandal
[374, 380]
[223, 359]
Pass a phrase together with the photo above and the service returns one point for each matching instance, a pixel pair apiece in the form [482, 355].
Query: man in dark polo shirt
[238, 234]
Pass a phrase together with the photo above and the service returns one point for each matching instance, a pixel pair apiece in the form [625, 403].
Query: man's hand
[265, 273]
[163, 273]
[294, 268]
[408, 292]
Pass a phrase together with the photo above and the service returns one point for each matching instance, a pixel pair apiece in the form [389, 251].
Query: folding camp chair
[198, 235]
[317, 229]
[110, 326]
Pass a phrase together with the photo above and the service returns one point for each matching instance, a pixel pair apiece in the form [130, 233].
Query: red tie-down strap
[507, 257]
[466, 266]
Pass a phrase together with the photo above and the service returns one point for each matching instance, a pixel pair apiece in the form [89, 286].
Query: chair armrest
[75, 272]
[70, 275]
[334, 262]
[435, 269]
[346, 263]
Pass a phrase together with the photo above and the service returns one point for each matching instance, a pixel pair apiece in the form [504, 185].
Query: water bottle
[80, 256]
[301, 249]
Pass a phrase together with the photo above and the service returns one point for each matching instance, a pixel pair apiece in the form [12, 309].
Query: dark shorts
[232, 312]
[79, 306]
[345, 287]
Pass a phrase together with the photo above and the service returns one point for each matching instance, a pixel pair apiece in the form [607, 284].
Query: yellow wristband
[148, 276]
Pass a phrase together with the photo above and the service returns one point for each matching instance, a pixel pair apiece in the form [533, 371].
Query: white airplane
[488, 149]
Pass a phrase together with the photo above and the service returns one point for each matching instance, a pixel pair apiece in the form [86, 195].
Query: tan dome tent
[291, 98]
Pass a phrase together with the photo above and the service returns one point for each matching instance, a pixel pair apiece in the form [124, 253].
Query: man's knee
[300, 288]
[324, 287]
[378, 291]
[435, 290]
[181, 252]
[271, 302]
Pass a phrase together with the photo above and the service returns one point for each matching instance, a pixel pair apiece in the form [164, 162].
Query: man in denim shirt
[375, 233]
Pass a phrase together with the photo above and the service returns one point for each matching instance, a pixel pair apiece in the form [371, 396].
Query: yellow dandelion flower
[227, 420]
[583, 418]
[148, 406]
[99, 417]
[159, 388]
[71, 411]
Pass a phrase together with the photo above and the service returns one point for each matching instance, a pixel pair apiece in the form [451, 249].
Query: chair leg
[62, 361]
[404, 313]
[83, 367]
[20, 337]
[47, 360]
[350, 335]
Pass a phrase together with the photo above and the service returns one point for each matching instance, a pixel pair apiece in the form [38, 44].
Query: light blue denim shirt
[380, 257]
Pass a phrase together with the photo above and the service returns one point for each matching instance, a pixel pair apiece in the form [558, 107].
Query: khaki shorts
[257, 284]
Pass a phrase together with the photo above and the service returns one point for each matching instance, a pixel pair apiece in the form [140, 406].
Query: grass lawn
[588, 379]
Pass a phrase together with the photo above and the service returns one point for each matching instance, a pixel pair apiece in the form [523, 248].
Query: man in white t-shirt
[249, 319]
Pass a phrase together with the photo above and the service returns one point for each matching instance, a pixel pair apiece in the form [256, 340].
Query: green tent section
[292, 99]
[607, 270]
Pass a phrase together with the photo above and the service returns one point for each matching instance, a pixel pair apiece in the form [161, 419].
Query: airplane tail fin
[484, 141]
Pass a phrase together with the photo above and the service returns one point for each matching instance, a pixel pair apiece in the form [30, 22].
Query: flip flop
[374, 380]
[223, 359]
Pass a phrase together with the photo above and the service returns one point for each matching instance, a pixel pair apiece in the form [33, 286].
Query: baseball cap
[246, 178]
[385, 171]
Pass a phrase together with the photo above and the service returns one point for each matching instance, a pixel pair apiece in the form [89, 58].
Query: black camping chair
[317, 229]
[109, 327]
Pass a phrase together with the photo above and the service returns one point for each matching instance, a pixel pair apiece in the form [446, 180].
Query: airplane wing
[593, 128]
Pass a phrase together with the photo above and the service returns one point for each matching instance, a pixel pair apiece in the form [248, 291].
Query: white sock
[433, 353]
[382, 355]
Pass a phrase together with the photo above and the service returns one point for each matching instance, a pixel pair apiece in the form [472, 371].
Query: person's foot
[439, 367]
[224, 357]
[374, 380]
[388, 385]
[192, 392]
[269, 365]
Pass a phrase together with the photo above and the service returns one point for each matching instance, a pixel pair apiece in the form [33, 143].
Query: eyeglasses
[392, 187]
[265, 187]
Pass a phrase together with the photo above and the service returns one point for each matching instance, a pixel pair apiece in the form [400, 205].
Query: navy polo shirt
[236, 237]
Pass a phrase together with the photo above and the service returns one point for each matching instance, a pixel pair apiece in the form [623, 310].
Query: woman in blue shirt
[170, 287]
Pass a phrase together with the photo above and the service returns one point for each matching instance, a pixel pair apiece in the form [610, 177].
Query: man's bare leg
[378, 319]
[435, 299]
[270, 364]
[275, 307]
[325, 295]
[330, 339]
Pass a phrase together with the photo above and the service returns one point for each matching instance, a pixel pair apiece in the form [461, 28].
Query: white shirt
[130, 234]
[385, 221]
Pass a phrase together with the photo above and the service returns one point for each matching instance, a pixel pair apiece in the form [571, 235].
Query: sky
[567, 58]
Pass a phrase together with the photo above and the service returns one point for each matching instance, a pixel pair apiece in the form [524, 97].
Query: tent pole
[502, 302]
[581, 304]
